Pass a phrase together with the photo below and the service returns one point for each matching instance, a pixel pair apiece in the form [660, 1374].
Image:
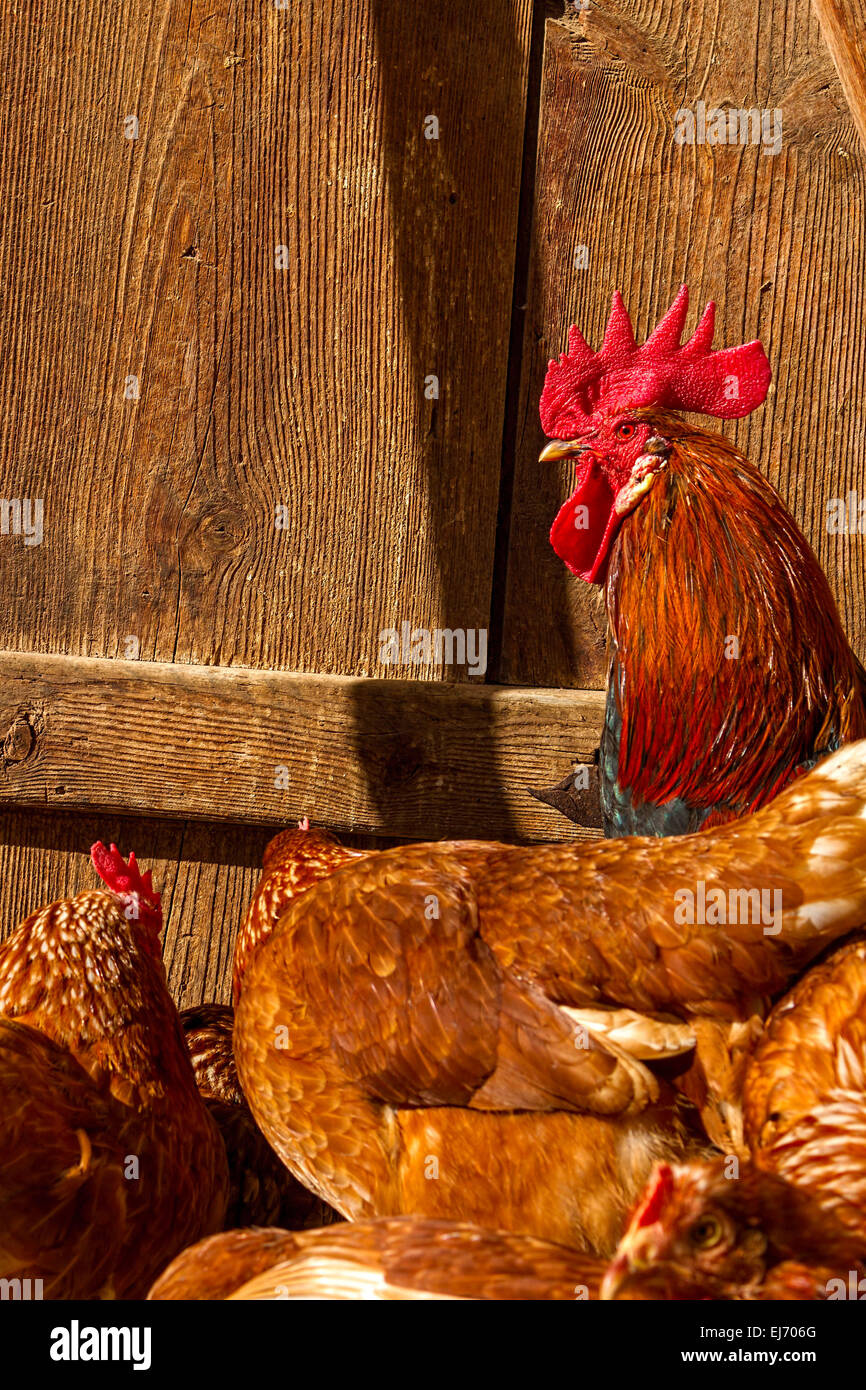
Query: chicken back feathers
[395, 1259]
[294, 860]
[411, 1012]
[263, 1191]
[805, 1088]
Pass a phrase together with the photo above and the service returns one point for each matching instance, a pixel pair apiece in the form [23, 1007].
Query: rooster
[462, 1030]
[729, 671]
[706, 1231]
[396, 1258]
[109, 1161]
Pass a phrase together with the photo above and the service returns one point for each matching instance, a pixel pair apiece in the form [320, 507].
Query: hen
[702, 1232]
[796, 1213]
[805, 1088]
[397, 1258]
[729, 669]
[294, 860]
[109, 1162]
[425, 1029]
[262, 1190]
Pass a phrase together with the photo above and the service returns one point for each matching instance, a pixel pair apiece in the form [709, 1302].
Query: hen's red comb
[660, 1188]
[726, 383]
[123, 877]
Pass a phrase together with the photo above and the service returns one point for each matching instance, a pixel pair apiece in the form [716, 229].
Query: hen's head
[600, 408]
[699, 1234]
[299, 844]
[133, 890]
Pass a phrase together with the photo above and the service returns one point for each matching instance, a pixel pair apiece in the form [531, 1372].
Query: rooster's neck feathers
[730, 660]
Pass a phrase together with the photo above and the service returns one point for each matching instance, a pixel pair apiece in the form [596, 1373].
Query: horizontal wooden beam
[403, 758]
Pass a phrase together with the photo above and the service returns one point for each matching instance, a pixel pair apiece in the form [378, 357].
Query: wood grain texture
[843, 26]
[777, 240]
[155, 257]
[416, 759]
[206, 874]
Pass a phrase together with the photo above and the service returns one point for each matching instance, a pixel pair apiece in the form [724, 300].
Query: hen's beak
[560, 449]
[634, 1256]
[615, 1276]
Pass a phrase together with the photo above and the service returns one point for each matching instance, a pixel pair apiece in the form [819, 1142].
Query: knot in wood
[19, 740]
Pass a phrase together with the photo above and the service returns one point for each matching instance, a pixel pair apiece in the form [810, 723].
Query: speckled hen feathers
[294, 860]
[263, 1191]
[805, 1089]
[109, 1163]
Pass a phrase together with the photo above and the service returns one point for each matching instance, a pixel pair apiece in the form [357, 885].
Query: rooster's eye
[625, 430]
[706, 1233]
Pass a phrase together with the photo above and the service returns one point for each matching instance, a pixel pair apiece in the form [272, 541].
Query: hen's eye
[625, 430]
[706, 1233]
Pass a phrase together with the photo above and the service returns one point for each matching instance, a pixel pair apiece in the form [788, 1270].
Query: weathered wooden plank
[843, 26]
[206, 874]
[415, 759]
[165, 384]
[777, 240]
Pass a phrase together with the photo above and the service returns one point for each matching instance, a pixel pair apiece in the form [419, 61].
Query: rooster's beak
[560, 449]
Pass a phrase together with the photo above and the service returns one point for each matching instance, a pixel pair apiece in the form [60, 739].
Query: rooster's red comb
[726, 383]
[123, 877]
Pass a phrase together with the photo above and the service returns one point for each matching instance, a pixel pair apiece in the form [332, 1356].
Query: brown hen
[805, 1088]
[294, 860]
[389, 1258]
[109, 1162]
[798, 1211]
[423, 1029]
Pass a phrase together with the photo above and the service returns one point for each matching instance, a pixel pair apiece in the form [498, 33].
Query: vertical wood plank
[155, 258]
[843, 25]
[776, 240]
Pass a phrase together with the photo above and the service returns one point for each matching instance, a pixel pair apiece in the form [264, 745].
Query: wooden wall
[169, 377]
[302, 387]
